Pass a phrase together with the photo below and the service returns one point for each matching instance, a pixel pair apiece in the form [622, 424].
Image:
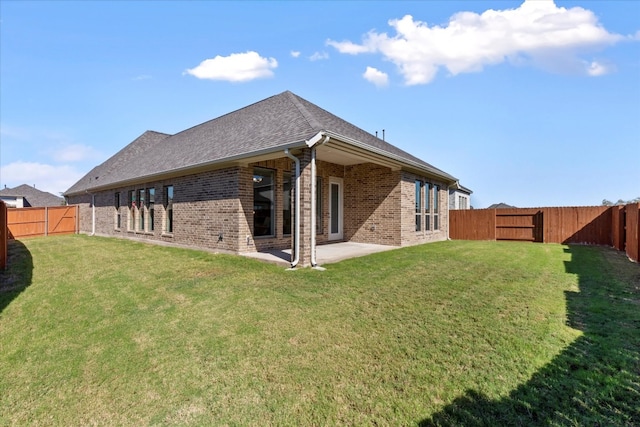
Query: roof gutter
[316, 138]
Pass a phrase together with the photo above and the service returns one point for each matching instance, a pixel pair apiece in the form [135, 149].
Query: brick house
[230, 184]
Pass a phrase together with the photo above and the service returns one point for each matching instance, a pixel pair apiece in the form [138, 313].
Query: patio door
[335, 208]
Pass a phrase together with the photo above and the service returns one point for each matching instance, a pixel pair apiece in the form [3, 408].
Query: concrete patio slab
[325, 254]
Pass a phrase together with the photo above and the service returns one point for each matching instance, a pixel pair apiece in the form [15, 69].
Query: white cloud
[532, 33]
[597, 69]
[237, 67]
[53, 179]
[141, 77]
[317, 56]
[352, 48]
[295, 53]
[377, 77]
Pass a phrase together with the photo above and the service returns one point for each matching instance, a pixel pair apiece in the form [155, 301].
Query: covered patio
[325, 254]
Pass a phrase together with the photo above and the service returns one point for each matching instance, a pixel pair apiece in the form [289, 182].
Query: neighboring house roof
[500, 206]
[273, 124]
[32, 196]
[461, 189]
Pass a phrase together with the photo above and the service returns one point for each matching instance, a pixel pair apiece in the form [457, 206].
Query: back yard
[113, 332]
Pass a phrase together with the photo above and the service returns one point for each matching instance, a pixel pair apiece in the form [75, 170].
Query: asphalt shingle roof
[270, 124]
[33, 196]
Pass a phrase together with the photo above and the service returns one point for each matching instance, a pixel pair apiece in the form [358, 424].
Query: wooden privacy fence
[615, 226]
[4, 235]
[45, 221]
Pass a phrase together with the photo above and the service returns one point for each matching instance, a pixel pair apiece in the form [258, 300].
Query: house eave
[237, 160]
[385, 158]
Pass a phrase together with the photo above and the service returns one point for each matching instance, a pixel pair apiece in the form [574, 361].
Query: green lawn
[97, 331]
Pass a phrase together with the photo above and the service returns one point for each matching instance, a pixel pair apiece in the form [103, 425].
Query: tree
[606, 202]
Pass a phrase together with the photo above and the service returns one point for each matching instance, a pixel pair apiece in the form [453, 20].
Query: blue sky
[531, 104]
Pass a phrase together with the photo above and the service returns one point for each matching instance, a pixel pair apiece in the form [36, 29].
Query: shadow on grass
[17, 276]
[596, 380]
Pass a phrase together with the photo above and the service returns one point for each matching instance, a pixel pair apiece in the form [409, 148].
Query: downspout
[455, 185]
[296, 235]
[314, 202]
[93, 214]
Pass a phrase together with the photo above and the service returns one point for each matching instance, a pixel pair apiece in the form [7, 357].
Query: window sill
[167, 234]
[271, 236]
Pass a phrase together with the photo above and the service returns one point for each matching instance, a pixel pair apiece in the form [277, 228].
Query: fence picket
[44, 221]
[615, 226]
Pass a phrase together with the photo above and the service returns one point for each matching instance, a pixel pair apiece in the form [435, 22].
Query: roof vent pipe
[296, 235]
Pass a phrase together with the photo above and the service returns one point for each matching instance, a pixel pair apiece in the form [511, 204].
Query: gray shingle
[275, 122]
[33, 197]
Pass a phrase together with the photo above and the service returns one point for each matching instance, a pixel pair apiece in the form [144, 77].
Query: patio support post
[314, 202]
[305, 207]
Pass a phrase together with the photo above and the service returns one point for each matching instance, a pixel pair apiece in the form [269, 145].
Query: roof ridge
[310, 118]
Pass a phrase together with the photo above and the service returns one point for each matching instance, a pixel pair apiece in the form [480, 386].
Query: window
[152, 196]
[263, 202]
[141, 210]
[286, 203]
[319, 205]
[427, 208]
[168, 208]
[117, 206]
[132, 210]
[418, 205]
[462, 202]
[436, 206]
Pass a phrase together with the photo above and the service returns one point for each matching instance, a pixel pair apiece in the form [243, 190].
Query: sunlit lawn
[113, 332]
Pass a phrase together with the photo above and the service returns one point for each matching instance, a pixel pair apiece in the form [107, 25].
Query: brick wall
[372, 204]
[279, 240]
[206, 211]
[408, 229]
[214, 209]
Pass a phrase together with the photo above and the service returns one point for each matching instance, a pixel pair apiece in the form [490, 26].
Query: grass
[97, 331]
